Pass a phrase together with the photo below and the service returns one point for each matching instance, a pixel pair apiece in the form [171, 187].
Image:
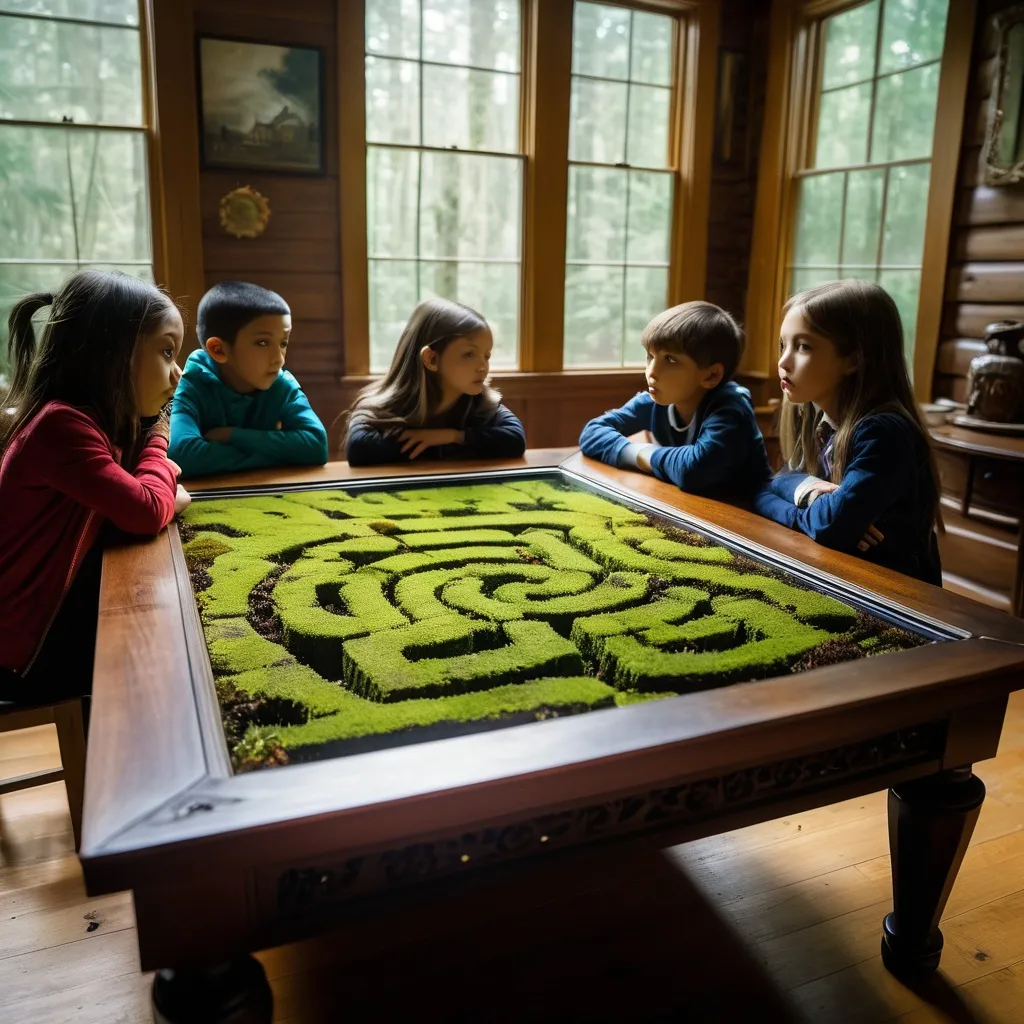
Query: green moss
[233, 576]
[316, 634]
[394, 665]
[236, 647]
[773, 641]
[472, 499]
[615, 553]
[583, 502]
[540, 593]
[340, 715]
[204, 547]
[550, 547]
[589, 634]
[269, 527]
[634, 535]
[807, 605]
[436, 592]
[516, 522]
[623, 698]
[418, 561]
[387, 611]
[441, 539]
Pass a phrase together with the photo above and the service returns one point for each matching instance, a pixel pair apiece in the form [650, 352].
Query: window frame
[791, 102]
[147, 128]
[544, 135]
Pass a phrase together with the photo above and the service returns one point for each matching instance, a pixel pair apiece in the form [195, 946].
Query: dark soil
[198, 574]
[695, 540]
[240, 710]
[262, 615]
[831, 652]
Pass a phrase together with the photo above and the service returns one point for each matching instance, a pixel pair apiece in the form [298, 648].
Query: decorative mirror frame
[994, 172]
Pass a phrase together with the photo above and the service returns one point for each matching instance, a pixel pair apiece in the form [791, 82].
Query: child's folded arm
[875, 477]
[301, 441]
[716, 455]
[502, 437]
[80, 465]
[791, 486]
[605, 437]
[192, 452]
[367, 446]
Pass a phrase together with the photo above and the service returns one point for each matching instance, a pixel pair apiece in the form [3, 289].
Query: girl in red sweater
[105, 363]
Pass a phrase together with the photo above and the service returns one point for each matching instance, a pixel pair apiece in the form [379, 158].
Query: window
[73, 165]
[443, 165]
[621, 179]
[862, 197]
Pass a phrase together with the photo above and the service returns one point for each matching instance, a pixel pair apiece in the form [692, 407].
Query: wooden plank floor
[783, 917]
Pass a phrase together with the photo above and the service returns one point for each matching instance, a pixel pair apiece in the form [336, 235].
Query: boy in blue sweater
[236, 407]
[706, 437]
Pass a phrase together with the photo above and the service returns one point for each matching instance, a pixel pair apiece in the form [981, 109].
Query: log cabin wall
[744, 30]
[986, 261]
[299, 253]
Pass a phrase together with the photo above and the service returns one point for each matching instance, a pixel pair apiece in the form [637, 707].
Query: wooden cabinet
[982, 477]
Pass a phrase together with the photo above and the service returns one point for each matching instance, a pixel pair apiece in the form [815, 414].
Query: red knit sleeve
[76, 459]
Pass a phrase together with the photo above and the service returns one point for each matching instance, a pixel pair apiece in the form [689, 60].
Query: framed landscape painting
[261, 106]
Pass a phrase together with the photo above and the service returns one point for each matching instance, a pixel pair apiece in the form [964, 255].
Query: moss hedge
[332, 616]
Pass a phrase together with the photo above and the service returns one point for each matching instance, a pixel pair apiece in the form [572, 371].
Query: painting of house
[261, 105]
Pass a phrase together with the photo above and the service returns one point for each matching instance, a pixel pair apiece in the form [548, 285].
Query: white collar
[825, 417]
[673, 423]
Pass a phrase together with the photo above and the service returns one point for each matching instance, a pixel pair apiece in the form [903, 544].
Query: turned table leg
[235, 992]
[930, 825]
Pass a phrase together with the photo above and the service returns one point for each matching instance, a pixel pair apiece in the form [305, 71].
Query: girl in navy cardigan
[861, 475]
[434, 399]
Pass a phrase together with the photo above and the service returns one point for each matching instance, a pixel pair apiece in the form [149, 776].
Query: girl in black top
[434, 400]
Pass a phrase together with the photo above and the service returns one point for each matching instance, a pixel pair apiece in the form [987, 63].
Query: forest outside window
[620, 202]
[444, 166]
[73, 163]
[862, 196]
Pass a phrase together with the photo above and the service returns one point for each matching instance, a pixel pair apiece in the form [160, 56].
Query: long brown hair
[84, 356]
[408, 394]
[861, 320]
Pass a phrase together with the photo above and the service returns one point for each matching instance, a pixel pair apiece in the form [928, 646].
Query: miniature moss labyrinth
[333, 617]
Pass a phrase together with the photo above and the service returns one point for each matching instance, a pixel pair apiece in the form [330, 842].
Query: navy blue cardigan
[887, 482]
[721, 454]
[499, 436]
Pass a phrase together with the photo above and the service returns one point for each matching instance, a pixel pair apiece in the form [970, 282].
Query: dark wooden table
[221, 865]
[985, 474]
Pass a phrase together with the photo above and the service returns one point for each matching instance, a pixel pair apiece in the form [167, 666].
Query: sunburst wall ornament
[244, 212]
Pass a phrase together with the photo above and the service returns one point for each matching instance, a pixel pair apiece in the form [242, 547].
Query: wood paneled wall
[986, 267]
[299, 253]
[744, 29]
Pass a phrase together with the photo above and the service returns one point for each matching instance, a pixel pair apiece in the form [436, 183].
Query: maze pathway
[335, 620]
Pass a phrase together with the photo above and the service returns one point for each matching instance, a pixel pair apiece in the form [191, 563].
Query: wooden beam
[546, 81]
[355, 297]
[954, 81]
[771, 210]
[694, 131]
[170, 76]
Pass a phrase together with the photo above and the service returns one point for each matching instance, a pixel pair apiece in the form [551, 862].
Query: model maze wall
[337, 622]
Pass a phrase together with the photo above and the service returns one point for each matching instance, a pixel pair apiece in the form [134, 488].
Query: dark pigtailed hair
[85, 352]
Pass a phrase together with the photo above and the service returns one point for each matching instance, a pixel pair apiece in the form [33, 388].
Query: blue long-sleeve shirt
[720, 453]
[887, 482]
[499, 435]
[203, 401]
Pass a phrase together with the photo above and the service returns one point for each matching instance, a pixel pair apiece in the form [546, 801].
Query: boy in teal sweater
[236, 407]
